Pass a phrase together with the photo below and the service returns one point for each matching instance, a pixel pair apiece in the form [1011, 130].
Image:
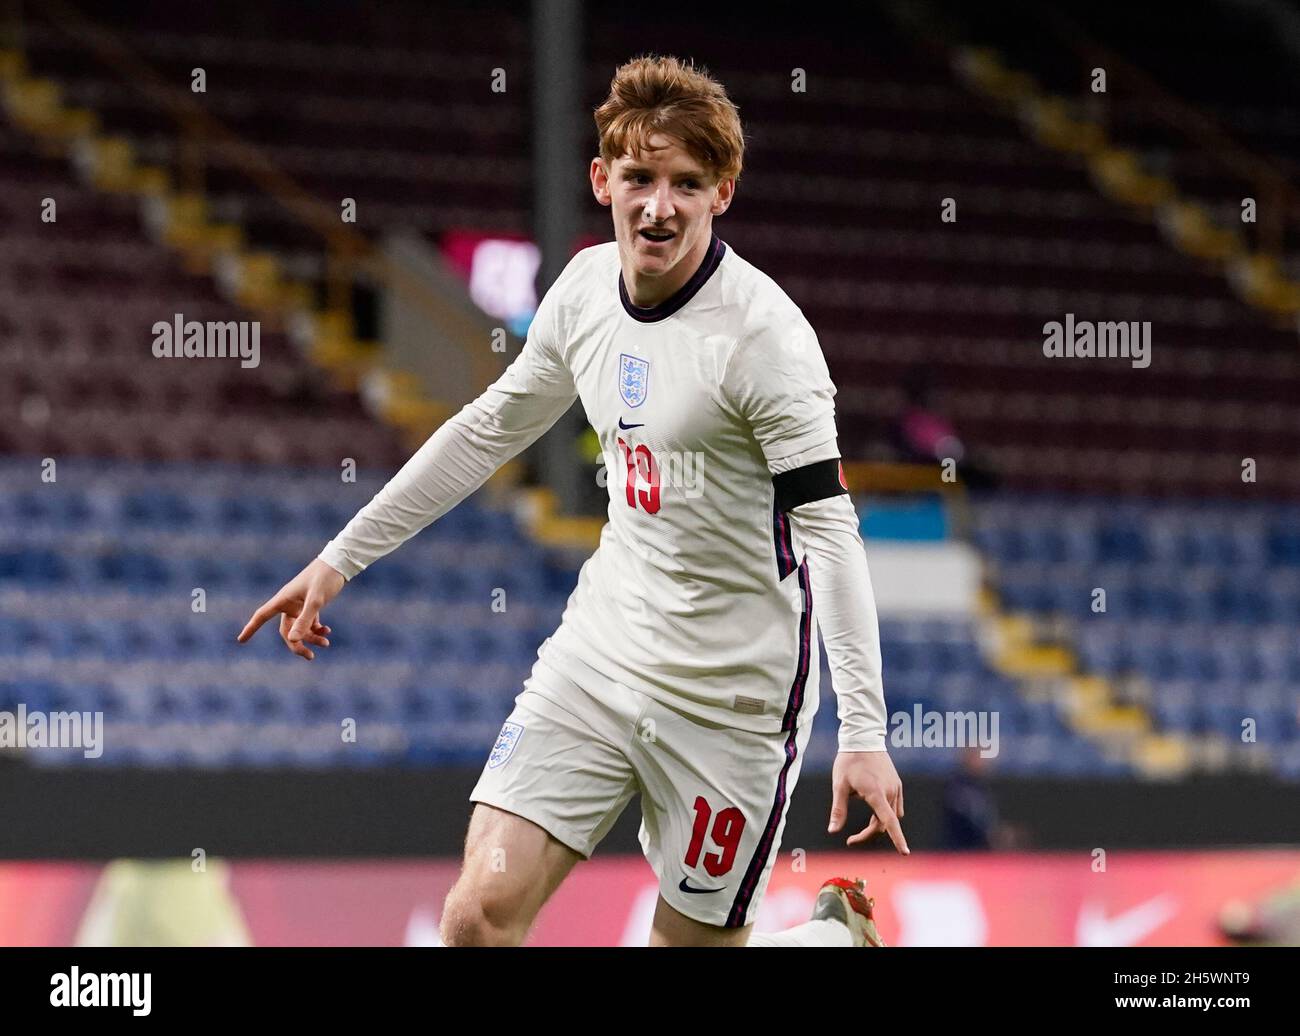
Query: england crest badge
[505, 746]
[633, 379]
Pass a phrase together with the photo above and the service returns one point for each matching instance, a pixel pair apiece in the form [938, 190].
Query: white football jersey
[696, 596]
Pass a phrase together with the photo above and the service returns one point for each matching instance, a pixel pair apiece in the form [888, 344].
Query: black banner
[603, 986]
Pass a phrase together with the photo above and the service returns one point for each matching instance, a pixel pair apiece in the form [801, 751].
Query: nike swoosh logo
[627, 427]
[1128, 928]
[687, 888]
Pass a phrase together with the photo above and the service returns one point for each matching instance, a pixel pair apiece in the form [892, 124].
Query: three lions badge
[633, 379]
[505, 746]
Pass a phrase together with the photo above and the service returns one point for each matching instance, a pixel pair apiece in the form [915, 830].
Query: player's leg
[552, 787]
[842, 916]
[673, 928]
[511, 868]
[714, 802]
[837, 921]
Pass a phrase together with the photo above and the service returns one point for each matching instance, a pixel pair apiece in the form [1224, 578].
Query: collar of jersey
[683, 295]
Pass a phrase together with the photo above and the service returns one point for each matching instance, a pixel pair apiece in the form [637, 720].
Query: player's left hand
[870, 776]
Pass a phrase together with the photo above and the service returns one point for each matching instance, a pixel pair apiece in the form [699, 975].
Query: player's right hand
[299, 603]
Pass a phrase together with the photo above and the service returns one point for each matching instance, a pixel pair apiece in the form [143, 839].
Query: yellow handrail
[1271, 182]
[348, 251]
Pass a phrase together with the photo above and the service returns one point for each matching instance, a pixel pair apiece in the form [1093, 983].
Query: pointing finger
[259, 619]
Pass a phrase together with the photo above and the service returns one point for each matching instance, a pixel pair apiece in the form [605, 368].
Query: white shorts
[713, 798]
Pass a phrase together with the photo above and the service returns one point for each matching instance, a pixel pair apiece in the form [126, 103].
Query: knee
[473, 918]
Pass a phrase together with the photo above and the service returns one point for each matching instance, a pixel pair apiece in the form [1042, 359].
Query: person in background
[970, 812]
[924, 435]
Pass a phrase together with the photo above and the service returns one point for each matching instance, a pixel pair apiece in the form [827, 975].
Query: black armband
[809, 484]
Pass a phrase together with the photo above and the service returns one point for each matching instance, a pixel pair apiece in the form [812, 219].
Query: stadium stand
[1202, 597]
[1199, 614]
[95, 569]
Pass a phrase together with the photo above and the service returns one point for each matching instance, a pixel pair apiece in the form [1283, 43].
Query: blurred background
[1103, 556]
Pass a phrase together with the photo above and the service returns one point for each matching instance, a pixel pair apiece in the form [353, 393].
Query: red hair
[651, 95]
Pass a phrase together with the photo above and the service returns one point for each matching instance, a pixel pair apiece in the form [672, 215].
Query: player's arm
[456, 460]
[826, 523]
[827, 528]
[777, 379]
[511, 414]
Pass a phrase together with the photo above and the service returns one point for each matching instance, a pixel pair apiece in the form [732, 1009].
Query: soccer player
[686, 665]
